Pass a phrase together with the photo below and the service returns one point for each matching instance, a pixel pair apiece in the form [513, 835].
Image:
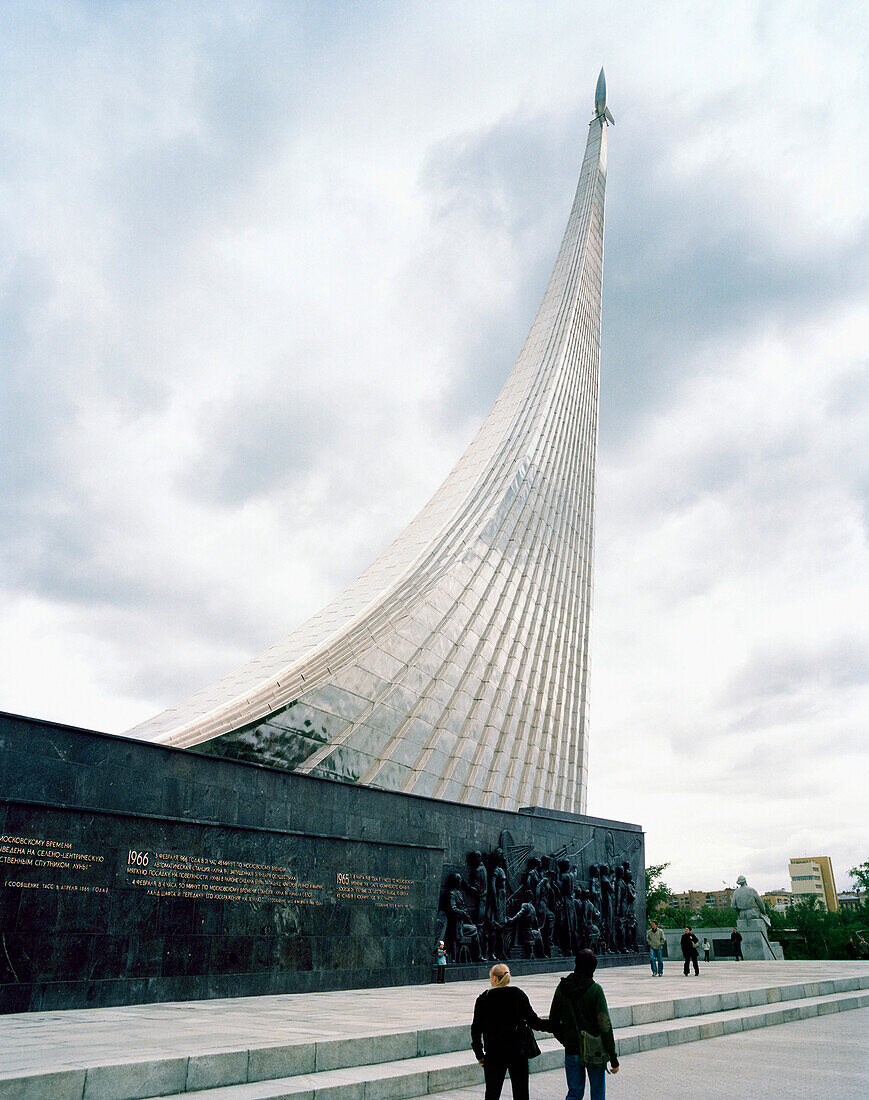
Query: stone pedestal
[756, 944]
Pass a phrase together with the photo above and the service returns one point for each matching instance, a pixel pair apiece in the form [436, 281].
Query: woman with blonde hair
[500, 1034]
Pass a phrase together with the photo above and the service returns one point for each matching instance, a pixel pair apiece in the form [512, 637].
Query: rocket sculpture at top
[457, 665]
[600, 108]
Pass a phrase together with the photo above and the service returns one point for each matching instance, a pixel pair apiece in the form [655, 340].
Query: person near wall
[501, 1034]
[707, 947]
[579, 1019]
[441, 961]
[657, 941]
[736, 940]
[689, 952]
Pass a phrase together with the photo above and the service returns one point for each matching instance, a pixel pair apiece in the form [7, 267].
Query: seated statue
[527, 932]
[747, 902]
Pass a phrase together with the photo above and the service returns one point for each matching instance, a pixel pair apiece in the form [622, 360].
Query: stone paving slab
[827, 1056]
[425, 1076]
[73, 1039]
[396, 1080]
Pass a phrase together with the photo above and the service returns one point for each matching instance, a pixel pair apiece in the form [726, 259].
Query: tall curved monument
[457, 665]
[421, 749]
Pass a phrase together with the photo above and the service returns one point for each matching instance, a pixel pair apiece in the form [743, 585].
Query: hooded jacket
[580, 1005]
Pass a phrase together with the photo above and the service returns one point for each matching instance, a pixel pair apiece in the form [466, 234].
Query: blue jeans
[656, 957]
[575, 1070]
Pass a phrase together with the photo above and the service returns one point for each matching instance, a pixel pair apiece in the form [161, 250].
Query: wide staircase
[399, 1065]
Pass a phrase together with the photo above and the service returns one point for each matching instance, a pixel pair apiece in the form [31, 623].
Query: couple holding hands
[579, 1019]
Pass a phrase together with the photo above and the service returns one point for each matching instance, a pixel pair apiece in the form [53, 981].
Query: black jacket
[689, 944]
[498, 1014]
[580, 1005]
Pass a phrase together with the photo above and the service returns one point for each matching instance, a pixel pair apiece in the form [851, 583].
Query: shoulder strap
[578, 1007]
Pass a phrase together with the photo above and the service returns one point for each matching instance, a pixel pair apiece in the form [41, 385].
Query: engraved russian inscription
[174, 874]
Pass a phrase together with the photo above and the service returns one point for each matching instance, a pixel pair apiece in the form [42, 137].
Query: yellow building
[777, 899]
[813, 875]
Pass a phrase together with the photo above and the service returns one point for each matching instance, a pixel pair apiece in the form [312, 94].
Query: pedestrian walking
[707, 947]
[689, 952]
[441, 961]
[580, 1020]
[501, 1034]
[736, 940]
[657, 942]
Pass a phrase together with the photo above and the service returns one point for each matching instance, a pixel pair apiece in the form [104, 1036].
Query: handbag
[525, 1042]
[593, 1053]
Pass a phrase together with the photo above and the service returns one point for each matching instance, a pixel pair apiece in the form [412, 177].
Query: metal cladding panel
[457, 664]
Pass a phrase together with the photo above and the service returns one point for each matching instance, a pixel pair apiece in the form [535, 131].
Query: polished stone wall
[132, 872]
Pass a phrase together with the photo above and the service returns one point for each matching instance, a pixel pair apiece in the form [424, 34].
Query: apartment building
[813, 876]
[692, 901]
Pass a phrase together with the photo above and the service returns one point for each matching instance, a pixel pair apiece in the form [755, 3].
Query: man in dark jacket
[689, 951]
[579, 1019]
[736, 940]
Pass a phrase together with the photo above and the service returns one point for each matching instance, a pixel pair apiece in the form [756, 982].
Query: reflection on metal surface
[457, 664]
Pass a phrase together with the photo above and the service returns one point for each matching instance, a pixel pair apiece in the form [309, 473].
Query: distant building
[692, 901]
[813, 876]
[849, 900]
[778, 900]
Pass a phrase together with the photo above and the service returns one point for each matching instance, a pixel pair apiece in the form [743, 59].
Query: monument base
[756, 944]
[131, 873]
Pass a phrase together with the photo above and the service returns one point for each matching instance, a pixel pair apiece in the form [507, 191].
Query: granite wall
[131, 872]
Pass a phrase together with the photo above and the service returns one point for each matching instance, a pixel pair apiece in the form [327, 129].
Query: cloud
[263, 270]
[789, 672]
[499, 198]
[710, 255]
[259, 443]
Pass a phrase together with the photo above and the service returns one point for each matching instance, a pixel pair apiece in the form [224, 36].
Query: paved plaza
[823, 1058]
[50, 1041]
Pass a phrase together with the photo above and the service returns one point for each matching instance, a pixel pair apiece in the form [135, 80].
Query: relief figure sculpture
[527, 933]
[499, 946]
[619, 914]
[541, 904]
[545, 906]
[606, 911]
[631, 926]
[477, 885]
[566, 912]
[462, 938]
[594, 892]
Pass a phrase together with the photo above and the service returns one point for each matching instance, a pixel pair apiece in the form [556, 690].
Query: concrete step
[634, 1040]
[419, 1077]
[397, 1065]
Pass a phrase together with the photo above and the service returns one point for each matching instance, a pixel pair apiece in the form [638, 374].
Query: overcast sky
[265, 267]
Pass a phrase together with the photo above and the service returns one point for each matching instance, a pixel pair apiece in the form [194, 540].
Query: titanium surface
[457, 664]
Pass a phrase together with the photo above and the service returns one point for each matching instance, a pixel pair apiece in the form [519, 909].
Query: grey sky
[263, 269]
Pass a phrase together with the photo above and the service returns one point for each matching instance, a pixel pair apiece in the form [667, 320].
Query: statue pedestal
[756, 944]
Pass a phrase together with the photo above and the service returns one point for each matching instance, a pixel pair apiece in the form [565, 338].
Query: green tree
[818, 927]
[860, 875]
[657, 891]
[669, 916]
[715, 918]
